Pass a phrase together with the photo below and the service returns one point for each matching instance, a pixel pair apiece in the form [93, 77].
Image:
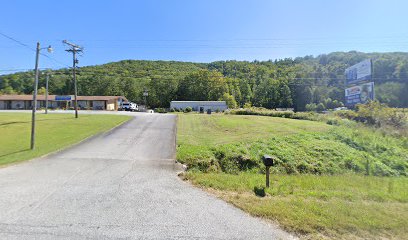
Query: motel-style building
[25, 102]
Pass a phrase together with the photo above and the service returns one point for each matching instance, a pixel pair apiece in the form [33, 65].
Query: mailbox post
[269, 162]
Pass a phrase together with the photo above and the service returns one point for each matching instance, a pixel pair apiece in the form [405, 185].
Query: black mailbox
[268, 160]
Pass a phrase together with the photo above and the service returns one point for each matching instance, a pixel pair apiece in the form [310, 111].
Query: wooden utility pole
[145, 94]
[34, 104]
[35, 86]
[74, 49]
[46, 92]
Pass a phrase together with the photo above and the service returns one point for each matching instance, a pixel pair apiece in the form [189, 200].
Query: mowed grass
[212, 130]
[340, 207]
[338, 201]
[53, 132]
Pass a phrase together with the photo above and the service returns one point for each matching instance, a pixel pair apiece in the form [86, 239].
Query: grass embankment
[232, 143]
[53, 132]
[223, 152]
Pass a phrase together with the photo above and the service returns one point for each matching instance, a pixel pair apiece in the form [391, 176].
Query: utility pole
[34, 105]
[35, 86]
[145, 94]
[74, 49]
[46, 92]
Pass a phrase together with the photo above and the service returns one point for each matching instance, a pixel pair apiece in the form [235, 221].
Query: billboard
[359, 94]
[359, 72]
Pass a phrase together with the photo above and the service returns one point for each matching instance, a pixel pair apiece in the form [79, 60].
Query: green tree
[203, 85]
[41, 91]
[285, 100]
[230, 100]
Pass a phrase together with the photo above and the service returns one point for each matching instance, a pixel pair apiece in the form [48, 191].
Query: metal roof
[52, 98]
[198, 102]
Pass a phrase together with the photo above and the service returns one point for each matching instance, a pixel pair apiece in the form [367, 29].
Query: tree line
[301, 83]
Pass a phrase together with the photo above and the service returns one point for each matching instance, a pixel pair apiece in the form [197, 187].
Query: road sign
[63, 98]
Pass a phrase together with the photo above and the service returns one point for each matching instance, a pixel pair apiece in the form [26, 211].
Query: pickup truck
[129, 106]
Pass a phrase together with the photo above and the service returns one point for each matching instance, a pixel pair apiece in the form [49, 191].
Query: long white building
[200, 106]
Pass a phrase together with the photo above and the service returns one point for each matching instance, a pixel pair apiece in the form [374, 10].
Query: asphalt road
[118, 185]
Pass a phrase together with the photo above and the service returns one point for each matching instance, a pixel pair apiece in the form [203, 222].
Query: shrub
[172, 110]
[378, 114]
[188, 109]
[347, 114]
[311, 107]
[273, 113]
[160, 110]
[248, 105]
[320, 107]
[333, 121]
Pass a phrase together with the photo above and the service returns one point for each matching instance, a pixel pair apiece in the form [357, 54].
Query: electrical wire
[32, 49]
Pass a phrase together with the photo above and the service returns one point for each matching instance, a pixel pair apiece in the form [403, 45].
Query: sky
[196, 31]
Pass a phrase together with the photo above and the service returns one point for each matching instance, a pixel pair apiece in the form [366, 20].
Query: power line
[32, 49]
[55, 60]
[227, 43]
[17, 41]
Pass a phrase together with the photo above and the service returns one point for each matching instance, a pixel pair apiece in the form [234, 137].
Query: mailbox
[268, 160]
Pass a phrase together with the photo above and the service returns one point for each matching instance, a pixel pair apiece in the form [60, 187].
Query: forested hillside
[271, 84]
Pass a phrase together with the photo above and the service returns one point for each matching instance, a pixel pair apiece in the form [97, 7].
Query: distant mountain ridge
[279, 83]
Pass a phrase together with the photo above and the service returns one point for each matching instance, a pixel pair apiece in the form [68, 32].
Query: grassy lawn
[223, 153]
[53, 132]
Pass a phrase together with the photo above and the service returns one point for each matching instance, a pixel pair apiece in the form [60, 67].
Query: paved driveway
[119, 185]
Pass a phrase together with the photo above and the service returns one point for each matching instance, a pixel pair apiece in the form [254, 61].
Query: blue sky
[198, 31]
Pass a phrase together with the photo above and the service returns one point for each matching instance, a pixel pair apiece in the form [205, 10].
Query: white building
[200, 106]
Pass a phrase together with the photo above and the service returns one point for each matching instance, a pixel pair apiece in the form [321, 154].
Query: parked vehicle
[129, 106]
[340, 108]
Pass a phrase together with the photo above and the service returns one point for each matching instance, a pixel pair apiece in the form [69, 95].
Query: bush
[172, 110]
[160, 110]
[333, 121]
[311, 107]
[375, 114]
[273, 113]
[347, 114]
[326, 104]
[378, 114]
[188, 109]
[320, 107]
[247, 105]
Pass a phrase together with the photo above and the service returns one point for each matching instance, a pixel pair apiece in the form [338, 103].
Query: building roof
[221, 102]
[52, 98]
